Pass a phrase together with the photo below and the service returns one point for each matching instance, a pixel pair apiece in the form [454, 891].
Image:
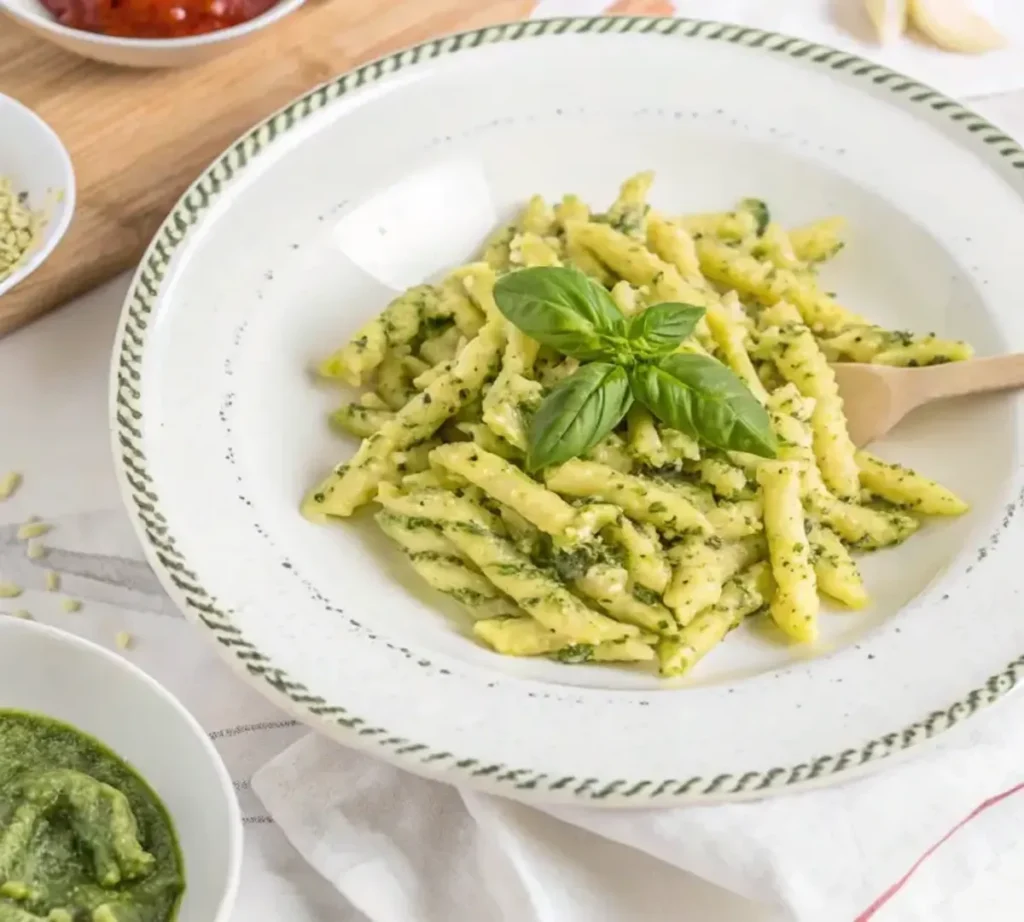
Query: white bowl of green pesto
[114, 805]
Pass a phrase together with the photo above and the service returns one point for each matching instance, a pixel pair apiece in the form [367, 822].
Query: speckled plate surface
[391, 173]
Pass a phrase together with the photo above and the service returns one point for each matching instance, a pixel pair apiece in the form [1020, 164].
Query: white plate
[306, 226]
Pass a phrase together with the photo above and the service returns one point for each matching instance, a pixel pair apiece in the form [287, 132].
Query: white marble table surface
[53, 429]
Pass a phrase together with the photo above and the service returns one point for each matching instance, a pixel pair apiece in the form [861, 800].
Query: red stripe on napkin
[896, 887]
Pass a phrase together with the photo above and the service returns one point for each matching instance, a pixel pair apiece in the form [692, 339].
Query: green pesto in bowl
[83, 838]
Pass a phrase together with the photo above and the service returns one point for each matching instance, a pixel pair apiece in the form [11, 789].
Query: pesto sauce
[73, 849]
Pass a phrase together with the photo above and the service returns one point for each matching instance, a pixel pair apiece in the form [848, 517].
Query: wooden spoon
[877, 397]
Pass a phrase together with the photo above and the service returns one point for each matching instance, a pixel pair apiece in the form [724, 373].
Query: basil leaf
[579, 412]
[662, 327]
[701, 397]
[560, 307]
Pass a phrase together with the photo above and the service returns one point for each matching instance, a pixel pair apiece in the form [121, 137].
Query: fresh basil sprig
[636, 359]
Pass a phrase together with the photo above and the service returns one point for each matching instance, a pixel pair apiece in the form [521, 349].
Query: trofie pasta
[651, 544]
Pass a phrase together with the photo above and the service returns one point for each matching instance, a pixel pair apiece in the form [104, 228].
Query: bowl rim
[86, 647]
[278, 11]
[53, 233]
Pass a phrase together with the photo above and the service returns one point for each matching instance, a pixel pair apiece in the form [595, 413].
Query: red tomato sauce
[155, 18]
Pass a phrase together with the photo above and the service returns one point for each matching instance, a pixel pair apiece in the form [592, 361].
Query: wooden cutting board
[138, 138]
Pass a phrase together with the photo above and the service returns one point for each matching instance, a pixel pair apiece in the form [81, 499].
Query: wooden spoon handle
[999, 373]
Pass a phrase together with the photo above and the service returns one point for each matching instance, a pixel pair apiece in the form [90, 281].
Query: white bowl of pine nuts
[37, 192]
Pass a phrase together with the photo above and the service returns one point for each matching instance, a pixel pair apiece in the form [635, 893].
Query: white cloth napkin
[844, 24]
[927, 839]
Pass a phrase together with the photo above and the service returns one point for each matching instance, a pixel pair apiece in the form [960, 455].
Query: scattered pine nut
[8, 484]
[15, 889]
[35, 550]
[70, 605]
[33, 528]
[52, 581]
[124, 640]
[9, 590]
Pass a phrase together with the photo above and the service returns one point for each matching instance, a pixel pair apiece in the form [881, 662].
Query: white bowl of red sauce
[148, 33]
